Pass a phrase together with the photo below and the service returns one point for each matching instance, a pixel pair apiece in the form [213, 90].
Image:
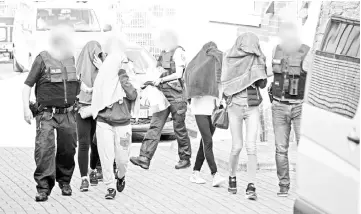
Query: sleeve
[269, 62]
[35, 72]
[129, 89]
[307, 61]
[179, 58]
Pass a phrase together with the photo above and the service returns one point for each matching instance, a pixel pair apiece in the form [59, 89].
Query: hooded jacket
[243, 65]
[203, 73]
[86, 70]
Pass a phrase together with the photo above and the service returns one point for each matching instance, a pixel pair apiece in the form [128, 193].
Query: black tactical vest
[60, 87]
[172, 90]
[289, 78]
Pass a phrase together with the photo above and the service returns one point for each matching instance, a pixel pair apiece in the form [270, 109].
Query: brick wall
[270, 22]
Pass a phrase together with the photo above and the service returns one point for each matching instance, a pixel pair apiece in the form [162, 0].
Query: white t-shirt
[202, 105]
[179, 58]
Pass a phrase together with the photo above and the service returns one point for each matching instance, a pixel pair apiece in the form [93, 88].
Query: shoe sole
[282, 194]
[84, 190]
[109, 198]
[183, 167]
[38, 200]
[195, 182]
[218, 184]
[65, 194]
[251, 197]
[137, 164]
[232, 191]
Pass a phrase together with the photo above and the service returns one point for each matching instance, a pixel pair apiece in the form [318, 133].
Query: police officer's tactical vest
[173, 90]
[289, 78]
[60, 86]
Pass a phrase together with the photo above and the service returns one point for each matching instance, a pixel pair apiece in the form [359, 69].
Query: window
[236, 12]
[3, 34]
[335, 78]
[83, 20]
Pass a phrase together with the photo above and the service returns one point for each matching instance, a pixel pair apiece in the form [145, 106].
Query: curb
[242, 166]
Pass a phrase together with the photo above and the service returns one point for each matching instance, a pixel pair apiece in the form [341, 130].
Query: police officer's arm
[306, 63]
[31, 80]
[180, 63]
[269, 64]
[129, 89]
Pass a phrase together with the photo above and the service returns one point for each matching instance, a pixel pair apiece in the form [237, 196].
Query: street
[162, 189]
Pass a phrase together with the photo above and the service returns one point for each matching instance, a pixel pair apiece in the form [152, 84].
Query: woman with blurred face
[88, 64]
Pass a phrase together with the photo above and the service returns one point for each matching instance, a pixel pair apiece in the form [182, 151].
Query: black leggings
[86, 138]
[205, 150]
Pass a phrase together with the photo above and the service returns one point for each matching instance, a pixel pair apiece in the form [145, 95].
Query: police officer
[53, 73]
[289, 67]
[172, 62]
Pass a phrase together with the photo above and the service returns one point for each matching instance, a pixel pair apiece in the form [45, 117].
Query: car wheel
[168, 137]
[16, 66]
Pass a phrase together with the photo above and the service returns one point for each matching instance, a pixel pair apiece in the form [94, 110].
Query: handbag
[220, 116]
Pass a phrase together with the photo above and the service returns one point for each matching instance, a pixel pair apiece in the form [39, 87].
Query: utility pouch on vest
[71, 72]
[295, 67]
[166, 65]
[286, 85]
[55, 74]
[166, 61]
[276, 65]
[294, 87]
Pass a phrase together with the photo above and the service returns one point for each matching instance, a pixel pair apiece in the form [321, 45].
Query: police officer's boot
[41, 196]
[182, 164]
[65, 189]
[141, 161]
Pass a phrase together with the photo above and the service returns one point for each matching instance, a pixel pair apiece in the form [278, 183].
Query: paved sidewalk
[162, 189]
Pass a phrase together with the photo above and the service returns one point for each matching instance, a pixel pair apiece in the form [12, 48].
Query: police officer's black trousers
[54, 164]
[152, 137]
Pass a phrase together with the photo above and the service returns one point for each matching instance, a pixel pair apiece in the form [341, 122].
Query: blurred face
[61, 42]
[167, 40]
[290, 38]
[64, 46]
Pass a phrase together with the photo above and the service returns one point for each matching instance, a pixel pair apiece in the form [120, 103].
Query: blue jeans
[237, 114]
[283, 116]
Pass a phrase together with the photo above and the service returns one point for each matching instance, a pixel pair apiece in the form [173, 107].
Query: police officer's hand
[28, 115]
[157, 81]
[97, 62]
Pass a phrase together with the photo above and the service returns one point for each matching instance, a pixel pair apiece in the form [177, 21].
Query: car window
[334, 84]
[83, 20]
[3, 33]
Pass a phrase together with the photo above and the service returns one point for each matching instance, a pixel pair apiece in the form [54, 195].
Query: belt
[56, 110]
[286, 102]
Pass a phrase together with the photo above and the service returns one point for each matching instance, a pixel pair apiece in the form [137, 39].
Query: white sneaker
[218, 180]
[196, 178]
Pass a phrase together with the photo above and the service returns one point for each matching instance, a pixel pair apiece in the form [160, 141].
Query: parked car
[328, 166]
[6, 37]
[33, 20]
